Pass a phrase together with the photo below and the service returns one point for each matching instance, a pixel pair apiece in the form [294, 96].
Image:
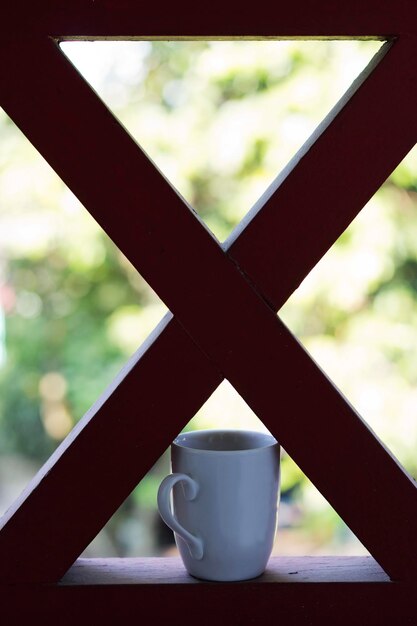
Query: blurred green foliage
[220, 120]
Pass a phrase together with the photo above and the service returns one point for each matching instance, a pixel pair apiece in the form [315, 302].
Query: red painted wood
[129, 18]
[280, 569]
[317, 592]
[354, 151]
[104, 457]
[227, 342]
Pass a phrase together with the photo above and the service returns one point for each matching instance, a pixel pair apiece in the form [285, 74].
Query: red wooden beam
[105, 456]
[318, 591]
[129, 18]
[356, 441]
[332, 177]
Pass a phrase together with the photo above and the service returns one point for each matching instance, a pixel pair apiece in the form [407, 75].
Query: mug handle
[195, 544]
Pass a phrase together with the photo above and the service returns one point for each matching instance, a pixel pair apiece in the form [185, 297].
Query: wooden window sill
[293, 591]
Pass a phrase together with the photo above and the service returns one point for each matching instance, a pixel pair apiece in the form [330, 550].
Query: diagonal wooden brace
[219, 317]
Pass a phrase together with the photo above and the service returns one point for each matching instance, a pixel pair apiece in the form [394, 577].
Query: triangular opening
[356, 313]
[307, 523]
[221, 119]
[72, 310]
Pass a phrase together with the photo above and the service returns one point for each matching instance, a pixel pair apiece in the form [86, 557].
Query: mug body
[235, 510]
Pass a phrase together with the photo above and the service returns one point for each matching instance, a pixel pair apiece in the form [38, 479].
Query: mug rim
[194, 433]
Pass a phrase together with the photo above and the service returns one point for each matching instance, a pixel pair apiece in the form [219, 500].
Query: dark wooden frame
[219, 298]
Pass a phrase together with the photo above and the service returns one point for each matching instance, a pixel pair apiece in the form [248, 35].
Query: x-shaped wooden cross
[224, 299]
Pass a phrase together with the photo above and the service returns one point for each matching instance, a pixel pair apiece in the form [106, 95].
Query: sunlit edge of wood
[170, 570]
[278, 37]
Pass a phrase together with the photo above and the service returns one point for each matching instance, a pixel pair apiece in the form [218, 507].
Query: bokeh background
[220, 119]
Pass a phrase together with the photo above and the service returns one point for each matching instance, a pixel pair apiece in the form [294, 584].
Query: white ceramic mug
[225, 487]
